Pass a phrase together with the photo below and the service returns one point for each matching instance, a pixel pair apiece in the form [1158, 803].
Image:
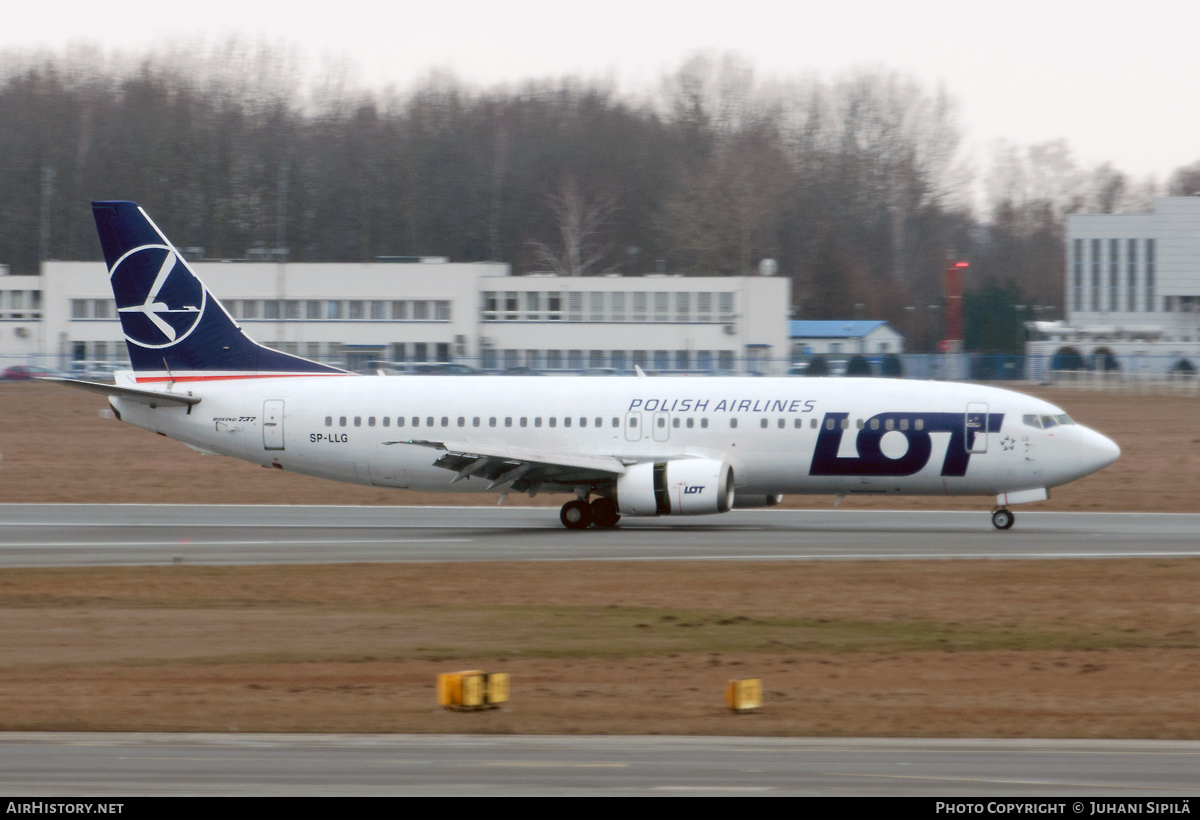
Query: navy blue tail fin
[174, 328]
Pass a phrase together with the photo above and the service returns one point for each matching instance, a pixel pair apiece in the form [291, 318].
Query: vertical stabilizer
[174, 328]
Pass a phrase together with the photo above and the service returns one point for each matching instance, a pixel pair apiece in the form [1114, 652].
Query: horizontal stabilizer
[153, 398]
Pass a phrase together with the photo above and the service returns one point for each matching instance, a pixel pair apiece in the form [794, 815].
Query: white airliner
[632, 446]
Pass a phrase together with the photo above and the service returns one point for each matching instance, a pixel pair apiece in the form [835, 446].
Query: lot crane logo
[159, 301]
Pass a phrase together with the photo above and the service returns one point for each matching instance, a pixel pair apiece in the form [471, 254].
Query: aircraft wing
[154, 398]
[519, 467]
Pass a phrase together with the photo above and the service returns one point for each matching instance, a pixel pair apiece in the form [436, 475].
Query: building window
[1114, 275]
[442, 311]
[533, 305]
[510, 306]
[1150, 251]
[1131, 275]
[618, 306]
[489, 306]
[683, 306]
[79, 308]
[574, 306]
[400, 311]
[312, 310]
[420, 311]
[554, 305]
[378, 310]
[1097, 247]
[596, 300]
[333, 309]
[725, 304]
[639, 306]
[1077, 279]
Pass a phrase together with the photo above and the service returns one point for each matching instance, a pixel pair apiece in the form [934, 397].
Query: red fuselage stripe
[148, 379]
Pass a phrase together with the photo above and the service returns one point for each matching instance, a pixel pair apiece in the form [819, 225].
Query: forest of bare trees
[855, 185]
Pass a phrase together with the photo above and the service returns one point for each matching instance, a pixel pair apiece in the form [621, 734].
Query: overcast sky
[1119, 81]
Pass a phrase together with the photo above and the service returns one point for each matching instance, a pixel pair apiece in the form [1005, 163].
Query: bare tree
[582, 221]
[1186, 180]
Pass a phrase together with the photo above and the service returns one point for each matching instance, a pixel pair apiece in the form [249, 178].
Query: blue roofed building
[843, 337]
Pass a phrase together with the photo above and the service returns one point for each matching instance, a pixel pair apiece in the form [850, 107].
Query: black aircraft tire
[1003, 519]
[604, 513]
[576, 515]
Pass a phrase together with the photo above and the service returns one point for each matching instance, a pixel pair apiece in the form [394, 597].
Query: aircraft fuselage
[781, 436]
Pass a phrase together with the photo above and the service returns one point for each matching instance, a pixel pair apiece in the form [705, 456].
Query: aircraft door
[633, 426]
[273, 424]
[976, 427]
[662, 426]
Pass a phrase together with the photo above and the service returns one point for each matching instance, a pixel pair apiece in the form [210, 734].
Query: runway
[66, 764]
[99, 765]
[45, 535]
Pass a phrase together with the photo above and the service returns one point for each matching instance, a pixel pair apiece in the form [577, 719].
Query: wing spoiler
[604, 464]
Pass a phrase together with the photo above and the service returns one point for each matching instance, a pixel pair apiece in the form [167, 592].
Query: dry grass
[1066, 649]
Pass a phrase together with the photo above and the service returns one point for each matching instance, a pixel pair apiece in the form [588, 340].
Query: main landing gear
[579, 514]
[1003, 519]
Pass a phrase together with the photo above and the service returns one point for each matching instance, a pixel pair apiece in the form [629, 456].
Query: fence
[1172, 374]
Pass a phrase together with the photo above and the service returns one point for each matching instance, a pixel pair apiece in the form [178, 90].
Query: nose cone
[1096, 451]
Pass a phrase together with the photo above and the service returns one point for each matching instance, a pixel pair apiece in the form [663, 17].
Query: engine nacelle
[686, 486]
[746, 502]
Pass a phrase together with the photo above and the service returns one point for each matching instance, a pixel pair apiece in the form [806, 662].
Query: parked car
[24, 372]
[445, 369]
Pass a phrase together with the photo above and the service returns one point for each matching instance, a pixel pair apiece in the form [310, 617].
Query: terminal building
[1132, 293]
[365, 316]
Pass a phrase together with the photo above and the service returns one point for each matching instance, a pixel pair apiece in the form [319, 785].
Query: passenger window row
[461, 421]
[583, 421]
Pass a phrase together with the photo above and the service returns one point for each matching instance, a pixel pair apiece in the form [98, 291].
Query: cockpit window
[1047, 421]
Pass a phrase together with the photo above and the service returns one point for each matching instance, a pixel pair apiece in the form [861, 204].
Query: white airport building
[427, 311]
[1132, 294]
